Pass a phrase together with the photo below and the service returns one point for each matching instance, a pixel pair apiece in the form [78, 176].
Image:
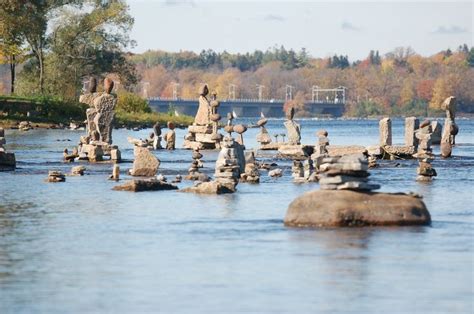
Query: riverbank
[52, 113]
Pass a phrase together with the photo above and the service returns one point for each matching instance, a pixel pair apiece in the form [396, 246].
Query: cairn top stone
[92, 85]
[240, 128]
[108, 85]
[322, 133]
[262, 122]
[204, 90]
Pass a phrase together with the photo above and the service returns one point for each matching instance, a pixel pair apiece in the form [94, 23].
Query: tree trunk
[12, 74]
[41, 74]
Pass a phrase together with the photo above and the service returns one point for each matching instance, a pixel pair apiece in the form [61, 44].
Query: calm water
[79, 247]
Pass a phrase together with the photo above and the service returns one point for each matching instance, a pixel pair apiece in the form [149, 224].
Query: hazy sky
[323, 28]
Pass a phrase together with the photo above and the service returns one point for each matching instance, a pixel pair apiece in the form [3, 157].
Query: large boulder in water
[145, 163]
[145, 185]
[351, 208]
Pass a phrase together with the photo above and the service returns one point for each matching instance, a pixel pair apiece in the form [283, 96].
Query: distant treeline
[399, 82]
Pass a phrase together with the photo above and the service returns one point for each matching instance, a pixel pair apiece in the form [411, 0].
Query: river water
[79, 247]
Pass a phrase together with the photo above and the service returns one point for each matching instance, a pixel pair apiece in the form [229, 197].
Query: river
[79, 247]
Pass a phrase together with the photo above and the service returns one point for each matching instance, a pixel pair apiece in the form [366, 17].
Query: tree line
[399, 82]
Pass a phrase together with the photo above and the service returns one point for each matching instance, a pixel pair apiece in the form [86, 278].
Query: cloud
[453, 29]
[274, 18]
[172, 3]
[347, 26]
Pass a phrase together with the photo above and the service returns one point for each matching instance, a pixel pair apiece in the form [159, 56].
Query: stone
[55, 176]
[375, 150]
[240, 128]
[437, 130]
[411, 125]
[340, 150]
[78, 170]
[203, 113]
[2, 141]
[338, 179]
[170, 137]
[92, 85]
[212, 187]
[145, 185]
[294, 132]
[262, 122]
[275, 173]
[108, 85]
[115, 173]
[145, 164]
[446, 149]
[399, 151]
[358, 186]
[94, 153]
[103, 120]
[295, 151]
[7, 161]
[263, 137]
[322, 133]
[385, 131]
[115, 155]
[351, 208]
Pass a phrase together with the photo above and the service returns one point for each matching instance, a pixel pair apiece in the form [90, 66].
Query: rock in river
[145, 185]
[351, 208]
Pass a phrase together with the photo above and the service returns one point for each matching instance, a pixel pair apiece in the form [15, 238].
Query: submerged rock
[145, 185]
[351, 208]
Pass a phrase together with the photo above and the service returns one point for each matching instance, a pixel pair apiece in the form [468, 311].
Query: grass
[45, 111]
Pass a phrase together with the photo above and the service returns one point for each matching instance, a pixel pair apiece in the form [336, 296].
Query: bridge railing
[244, 100]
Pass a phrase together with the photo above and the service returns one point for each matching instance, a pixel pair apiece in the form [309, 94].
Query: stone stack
[385, 131]
[297, 171]
[240, 130]
[345, 173]
[7, 160]
[157, 136]
[229, 164]
[263, 137]
[320, 149]
[100, 116]
[170, 136]
[450, 129]
[411, 125]
[425, 171]
[293, 129]
[193, 172]
[55, 176]
[423, 134]
[251, 173]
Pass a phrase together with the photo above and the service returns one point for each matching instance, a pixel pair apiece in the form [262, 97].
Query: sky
[324, 28]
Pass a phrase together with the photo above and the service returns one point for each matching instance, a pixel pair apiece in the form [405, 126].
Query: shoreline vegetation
[49, 112]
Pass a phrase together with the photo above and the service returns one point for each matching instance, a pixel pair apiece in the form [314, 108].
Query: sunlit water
[79, 247]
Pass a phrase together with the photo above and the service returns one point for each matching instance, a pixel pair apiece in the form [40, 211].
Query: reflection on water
[79, 247]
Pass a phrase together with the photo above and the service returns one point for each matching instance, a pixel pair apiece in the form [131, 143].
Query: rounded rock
[240, 128]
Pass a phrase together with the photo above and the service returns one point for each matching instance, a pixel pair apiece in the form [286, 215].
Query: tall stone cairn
[450, 130]
[348, 172]
[411, 125]
[193, 172]
[385, 131]
[320, 149]
[228, 167]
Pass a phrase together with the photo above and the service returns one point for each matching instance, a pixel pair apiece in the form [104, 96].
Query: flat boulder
[350, 208]
[212, 187]
[341, 150]
[145, 185]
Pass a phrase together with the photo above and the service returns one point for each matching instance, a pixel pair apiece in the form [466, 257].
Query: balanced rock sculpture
[7, 160]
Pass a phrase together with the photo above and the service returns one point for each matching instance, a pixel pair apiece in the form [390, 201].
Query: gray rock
[145, 163]
[145, 185]
[350, 208]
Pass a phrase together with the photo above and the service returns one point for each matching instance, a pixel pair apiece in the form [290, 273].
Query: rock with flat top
[145, 185]
[351, 208]
[145, 163]
[212, 187]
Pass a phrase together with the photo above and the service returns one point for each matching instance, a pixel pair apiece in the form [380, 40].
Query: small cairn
[320, 149]
[56, 176]
[450, 130]
[70, 157]
[115, 176]
[170, 136]
[24, 126]
[78, 171]
[240, 129]
[425, 171]
[193, 172]
[348, 172]
[263, 137]
[297, 171]
[251, 174]
[228, 168]
[423, 134]
[157, 136]
[7, 160]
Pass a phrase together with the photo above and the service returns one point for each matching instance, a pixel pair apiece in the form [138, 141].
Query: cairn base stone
[350, 208]
[145, 185]
[212, 187]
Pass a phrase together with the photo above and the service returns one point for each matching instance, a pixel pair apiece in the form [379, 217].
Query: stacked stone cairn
[55, 176]
[240, 129]
[157, 136]
[100, 116]
[193, 172]
[7, 160]
[251, 173]
[425, 171]
[202, 134]
[263, 137]
[293, 129]
[348, 172]
[450, 129]
[170, 136]
[228, 164]
[320, 149]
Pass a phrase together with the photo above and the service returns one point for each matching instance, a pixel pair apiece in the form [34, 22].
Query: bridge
[249, 108]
